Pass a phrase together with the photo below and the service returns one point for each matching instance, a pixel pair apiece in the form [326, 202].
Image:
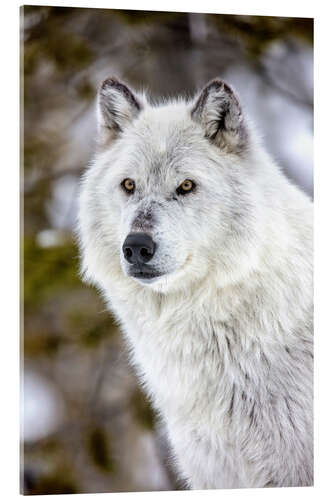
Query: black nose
[138, 248]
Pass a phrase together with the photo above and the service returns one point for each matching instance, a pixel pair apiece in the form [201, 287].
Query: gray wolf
[202, 249]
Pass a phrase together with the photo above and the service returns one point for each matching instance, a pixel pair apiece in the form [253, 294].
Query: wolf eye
[186, 187]
[128, 185]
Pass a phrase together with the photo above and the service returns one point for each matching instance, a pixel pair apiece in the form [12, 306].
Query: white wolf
[202, 248]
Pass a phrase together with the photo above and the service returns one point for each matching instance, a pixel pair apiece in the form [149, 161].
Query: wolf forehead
[161, 138]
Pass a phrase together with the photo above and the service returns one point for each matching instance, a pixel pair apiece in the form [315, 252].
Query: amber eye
[186, 187]
[128, 185]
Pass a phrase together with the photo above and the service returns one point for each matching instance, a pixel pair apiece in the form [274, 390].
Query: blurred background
[86, 425]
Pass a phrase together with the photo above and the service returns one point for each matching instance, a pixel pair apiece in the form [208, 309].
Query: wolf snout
[139, 248]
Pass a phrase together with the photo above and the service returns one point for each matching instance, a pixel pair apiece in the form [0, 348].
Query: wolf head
[171, 195]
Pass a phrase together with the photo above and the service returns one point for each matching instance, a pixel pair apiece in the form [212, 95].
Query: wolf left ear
[218, 110]
[118, 106]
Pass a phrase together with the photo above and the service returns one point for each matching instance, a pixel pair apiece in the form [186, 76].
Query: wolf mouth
[144, 274]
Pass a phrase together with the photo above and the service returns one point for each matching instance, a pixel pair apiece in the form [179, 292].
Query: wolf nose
[138, 248]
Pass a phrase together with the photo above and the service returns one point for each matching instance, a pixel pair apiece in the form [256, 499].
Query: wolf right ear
[118, 106]
[218, 111]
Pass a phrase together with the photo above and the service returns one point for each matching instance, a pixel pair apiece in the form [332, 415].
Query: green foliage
[41, 343]
[100, 450]
[37, 149]
[50, 40]
[90, 326]
[86, 91]
[59, 308]
[48, 270]
[137, 17]
[142, 409]
[256, 32]
[67, 50]
[56, 483]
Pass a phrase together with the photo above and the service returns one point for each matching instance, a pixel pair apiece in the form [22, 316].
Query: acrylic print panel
[200, 247]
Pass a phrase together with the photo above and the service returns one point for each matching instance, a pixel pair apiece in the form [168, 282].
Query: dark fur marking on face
[172, 198]
[144, 220]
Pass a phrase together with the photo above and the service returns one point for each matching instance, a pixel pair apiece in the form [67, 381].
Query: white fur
[223, 341]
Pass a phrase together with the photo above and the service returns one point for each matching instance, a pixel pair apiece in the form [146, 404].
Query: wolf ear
[117, 107]
[218, 110]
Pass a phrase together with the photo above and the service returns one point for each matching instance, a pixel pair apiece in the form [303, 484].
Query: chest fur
[229, 375]
[211, 369]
